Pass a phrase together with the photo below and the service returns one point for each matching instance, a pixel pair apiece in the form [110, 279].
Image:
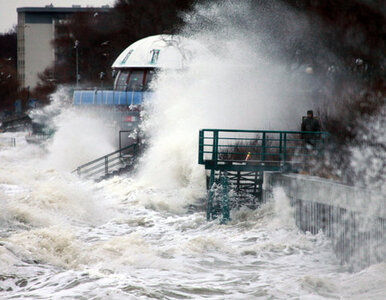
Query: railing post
[225, 199]
[280, 146]
[106, 165]
[238, 188]
[201, 147]
[262, 155]
[215, 147]
[120, 144]
[284, 148]
[135, 150]
[209, 206]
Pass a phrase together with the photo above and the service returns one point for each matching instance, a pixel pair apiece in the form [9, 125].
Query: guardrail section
[109, 163]
[225, 149]
[7, 142]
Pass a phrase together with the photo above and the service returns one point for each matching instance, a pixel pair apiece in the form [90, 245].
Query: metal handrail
[107, 162]
[217, 146]
[10, 141]
[262, 131]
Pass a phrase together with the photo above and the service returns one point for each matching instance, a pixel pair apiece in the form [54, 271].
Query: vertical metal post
[225, 198]
[238, 188]
[255, 185]
[106, 165]
[215, 147]
[260, 185]
[262, 156]
[201, 147]
[209, 206]
[77, 62]
[135, 150]
[284, 148]
[120, 143]
[280, 145]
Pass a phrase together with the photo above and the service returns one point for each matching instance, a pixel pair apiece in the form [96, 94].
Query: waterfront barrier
[237, 159]
[354, 219]
[7, 142]
[111, 164]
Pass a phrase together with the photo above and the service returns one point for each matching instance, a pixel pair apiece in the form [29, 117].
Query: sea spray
[80, 134]
[231, 82]
[36, 180]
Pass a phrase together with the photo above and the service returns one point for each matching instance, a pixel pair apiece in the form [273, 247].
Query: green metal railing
[226, 149]
[108, 163]
[237, 159]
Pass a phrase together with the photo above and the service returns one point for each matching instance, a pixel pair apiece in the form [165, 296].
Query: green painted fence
[237, 159]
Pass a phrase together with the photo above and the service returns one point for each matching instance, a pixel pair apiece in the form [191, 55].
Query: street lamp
[77, 63]
[101, 77]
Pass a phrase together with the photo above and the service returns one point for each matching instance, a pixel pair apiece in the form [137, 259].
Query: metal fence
[7, 142]
[109, 163]
[271, 150]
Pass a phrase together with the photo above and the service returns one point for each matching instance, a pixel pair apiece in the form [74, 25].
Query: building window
[136, 80]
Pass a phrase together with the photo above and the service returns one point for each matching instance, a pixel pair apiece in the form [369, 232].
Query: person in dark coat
[310, 124]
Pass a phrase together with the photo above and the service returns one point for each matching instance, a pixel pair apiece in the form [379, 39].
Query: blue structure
[109, 97]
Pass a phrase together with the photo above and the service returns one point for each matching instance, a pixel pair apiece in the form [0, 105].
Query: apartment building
[35, 31]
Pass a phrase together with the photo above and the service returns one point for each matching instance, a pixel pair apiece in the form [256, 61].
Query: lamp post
[77, 63]
[101, 77]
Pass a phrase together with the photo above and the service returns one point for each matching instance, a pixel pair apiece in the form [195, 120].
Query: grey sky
[8, 15]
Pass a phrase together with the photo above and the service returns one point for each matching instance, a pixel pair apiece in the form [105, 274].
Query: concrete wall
[354, 219]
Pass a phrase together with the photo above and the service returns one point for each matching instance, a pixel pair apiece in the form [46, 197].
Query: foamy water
[62, 237]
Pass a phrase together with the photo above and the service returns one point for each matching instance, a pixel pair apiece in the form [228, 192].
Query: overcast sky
[8, 15]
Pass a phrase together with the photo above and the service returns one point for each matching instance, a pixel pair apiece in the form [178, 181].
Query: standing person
[310, 124]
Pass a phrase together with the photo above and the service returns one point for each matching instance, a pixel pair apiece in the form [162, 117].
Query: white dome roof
[158, 51]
